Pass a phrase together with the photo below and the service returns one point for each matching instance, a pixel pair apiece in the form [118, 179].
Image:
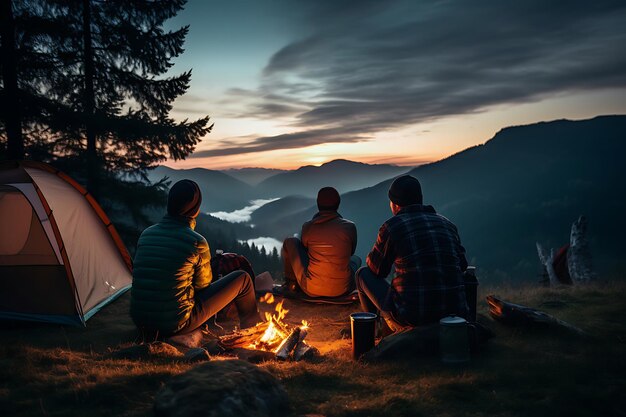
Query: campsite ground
[52, 370]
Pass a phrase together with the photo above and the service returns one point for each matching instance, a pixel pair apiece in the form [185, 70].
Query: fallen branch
[515, 314]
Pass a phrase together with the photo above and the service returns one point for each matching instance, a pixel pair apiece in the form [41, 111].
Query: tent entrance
[23, 240]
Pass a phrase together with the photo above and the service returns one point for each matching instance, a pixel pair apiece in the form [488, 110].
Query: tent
[61, 259]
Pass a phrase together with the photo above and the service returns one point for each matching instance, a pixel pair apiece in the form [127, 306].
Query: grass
[57, 371]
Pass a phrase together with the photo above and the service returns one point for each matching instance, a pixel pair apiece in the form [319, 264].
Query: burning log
[245, 337]
[288, 344]
[303, 350]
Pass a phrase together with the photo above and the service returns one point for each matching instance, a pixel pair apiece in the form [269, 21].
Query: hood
[324, 216]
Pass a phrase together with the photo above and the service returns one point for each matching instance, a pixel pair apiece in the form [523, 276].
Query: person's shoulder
[447, 222]
[345, 221]
[307, 225]
[196, 236]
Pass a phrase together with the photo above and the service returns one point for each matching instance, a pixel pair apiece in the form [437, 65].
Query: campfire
[273, 335]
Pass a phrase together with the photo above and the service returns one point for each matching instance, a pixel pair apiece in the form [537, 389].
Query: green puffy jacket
[171, 263]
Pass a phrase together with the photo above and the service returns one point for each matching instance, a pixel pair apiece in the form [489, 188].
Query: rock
[147, 351]
[407, 343]
[189, 340]
[197, 355]
[222, 388]
[213, 347]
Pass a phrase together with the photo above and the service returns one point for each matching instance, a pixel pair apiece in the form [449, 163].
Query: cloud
[367, 67]
[286, 141]
[241, 215]
[269, 243]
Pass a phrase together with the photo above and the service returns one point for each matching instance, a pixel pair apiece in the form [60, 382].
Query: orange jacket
[330, 240]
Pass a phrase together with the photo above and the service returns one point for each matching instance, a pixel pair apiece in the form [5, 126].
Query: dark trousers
[375, 295]
[236, 286]
[296, 261]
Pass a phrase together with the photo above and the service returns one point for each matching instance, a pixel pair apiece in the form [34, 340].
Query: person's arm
[460, 250]
[203, 275]
[354, 238]
[381, 257]
[304, 234]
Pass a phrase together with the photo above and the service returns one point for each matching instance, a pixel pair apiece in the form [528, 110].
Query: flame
[276, 330]
[267, 298]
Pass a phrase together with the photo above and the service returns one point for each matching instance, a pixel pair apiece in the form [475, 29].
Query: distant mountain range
[220, 192]
[252, 176]
[344, 175]
[233, 189]
[526, 184]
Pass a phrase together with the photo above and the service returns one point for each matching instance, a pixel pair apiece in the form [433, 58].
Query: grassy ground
[52, 370]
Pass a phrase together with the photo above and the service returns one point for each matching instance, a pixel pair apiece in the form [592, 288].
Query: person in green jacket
[173, 290]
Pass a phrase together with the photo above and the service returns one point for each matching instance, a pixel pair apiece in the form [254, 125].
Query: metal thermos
[363, 326]
[471, 291]
[454, 340]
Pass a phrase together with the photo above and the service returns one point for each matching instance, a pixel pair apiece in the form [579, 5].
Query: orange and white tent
[61, 259]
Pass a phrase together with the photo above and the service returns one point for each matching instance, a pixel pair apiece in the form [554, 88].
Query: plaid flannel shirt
[429, 260]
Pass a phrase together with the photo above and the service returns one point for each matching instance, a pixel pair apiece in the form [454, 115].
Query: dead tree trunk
[579, 255]
[548, 262]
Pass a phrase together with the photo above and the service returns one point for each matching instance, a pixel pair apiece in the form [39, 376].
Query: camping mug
[363, 326]
[454, 340]
[471, 290]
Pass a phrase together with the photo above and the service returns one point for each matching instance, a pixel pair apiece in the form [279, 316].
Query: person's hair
[405, 190]
[328, 199]
[184, 199]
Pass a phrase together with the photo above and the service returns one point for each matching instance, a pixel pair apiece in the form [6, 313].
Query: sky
[291, 83]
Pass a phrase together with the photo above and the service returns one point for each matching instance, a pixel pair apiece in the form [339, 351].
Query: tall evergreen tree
[27, 66]
[9, 98]
[115, 55]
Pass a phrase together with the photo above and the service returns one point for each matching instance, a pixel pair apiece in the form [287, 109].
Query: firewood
[251, 355]
[285, 348]
[515, 314]
[303, 351]
[244, 337]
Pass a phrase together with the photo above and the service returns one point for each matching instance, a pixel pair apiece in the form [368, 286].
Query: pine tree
[11, 115]
[114, 57]
[27, 34]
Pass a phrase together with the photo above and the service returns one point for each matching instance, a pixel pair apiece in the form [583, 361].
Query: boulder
[222, 388]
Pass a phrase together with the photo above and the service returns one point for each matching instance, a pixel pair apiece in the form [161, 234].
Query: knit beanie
[405, 190]
[184, 199]
[328, 199]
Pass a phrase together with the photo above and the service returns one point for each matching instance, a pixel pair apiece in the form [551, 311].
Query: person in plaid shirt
[429, 260]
